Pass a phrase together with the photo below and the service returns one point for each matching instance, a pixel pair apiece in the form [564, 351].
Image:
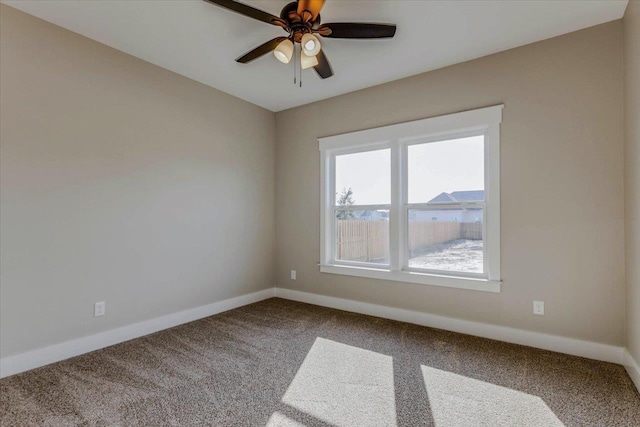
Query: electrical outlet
[293, 275]
[99, 309]
[538, 308]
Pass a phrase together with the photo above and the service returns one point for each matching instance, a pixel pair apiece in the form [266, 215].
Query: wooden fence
[363, 241]
[368, 241]
[471, 230]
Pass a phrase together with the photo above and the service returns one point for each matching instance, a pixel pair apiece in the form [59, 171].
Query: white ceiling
[201, 41]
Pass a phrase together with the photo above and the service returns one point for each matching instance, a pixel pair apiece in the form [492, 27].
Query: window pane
[446, 239]
[364, 178]
[446, 171]
[362, 236]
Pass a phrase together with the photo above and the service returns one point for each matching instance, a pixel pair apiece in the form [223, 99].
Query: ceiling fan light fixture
[310, 44]
[284, 51]
[300, 19]
[308, 61]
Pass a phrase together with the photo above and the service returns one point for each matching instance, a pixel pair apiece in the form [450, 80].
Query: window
[416, 202]
[361, 210]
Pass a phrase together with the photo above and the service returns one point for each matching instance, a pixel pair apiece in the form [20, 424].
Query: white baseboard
[34, 359]
[632, 368]
[575, 347]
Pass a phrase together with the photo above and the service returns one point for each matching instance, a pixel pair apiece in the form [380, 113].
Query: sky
[433, 168]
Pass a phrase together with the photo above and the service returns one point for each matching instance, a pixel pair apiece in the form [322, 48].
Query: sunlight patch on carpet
[457, 400]
[344, 386]
[280, 420]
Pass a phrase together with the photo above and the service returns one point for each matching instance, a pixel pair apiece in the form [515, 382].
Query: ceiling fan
[301, 19]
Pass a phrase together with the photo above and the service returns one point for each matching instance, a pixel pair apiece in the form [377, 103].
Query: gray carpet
[281, 363]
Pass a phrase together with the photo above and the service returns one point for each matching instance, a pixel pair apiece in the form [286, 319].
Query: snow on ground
[456, 255]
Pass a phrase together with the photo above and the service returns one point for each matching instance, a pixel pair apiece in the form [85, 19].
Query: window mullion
[327, 246]
[404, 199]
[445, 206]
[361, 207]
[395, 216]
[492, 211]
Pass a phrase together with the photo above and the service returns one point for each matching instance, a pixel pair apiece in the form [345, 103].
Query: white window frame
[483, 121]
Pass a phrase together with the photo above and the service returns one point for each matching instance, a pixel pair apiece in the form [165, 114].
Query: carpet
[282, 363]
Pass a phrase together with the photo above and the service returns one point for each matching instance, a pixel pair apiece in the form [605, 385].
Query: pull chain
[297, 62]
[300, 65]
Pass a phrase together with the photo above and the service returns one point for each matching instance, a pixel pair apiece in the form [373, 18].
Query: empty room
[332, 213]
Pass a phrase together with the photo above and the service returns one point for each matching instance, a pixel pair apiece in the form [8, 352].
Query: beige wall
[562, 184]
[123, 182]
[632, 173]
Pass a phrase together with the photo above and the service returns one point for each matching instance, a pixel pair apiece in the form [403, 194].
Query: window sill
[474, 284]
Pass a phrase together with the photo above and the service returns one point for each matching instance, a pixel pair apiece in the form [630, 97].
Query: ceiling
[201, 41]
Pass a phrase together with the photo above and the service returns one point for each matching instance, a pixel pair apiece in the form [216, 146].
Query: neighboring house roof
[459, 196]
[374, 215]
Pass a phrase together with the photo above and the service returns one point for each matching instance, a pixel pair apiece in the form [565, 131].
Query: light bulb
[310, 44]
[284, 51]
[308, 61]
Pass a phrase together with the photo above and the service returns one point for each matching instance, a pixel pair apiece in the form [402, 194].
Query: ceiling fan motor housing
[297, 24]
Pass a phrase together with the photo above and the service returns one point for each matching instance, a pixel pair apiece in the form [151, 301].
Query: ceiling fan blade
[312, 6]
[348, 30]
[260, 50]
[246, 10]
[323, 68]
